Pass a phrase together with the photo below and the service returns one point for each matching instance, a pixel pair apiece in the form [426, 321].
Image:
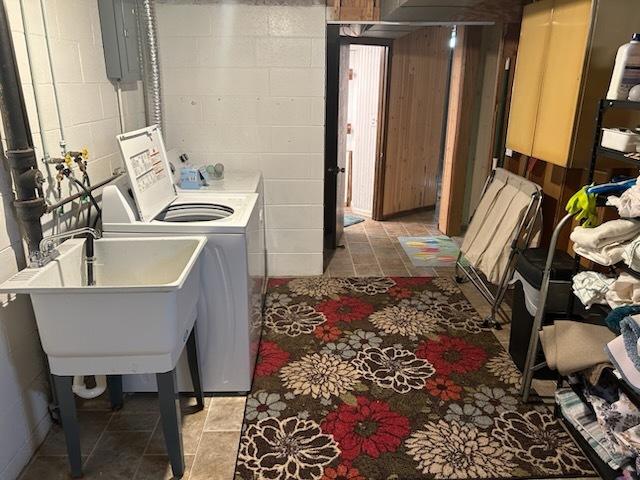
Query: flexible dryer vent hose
[151, 62]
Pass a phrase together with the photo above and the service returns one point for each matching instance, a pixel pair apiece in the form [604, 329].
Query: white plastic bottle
[626, 73]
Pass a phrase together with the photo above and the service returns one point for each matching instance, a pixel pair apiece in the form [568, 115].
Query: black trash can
[529, 270]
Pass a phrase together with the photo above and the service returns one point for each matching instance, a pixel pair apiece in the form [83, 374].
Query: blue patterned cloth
[630, 330]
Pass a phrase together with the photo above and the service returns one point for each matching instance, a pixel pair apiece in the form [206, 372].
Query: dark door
[335, 136]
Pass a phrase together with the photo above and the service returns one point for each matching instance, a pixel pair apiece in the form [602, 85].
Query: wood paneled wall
[418, 84]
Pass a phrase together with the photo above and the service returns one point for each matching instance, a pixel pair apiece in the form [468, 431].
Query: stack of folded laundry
[631, 254]
[606, 243]
[571, 346]
[596, 288]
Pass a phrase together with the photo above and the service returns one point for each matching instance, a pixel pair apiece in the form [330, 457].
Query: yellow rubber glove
[583, 206]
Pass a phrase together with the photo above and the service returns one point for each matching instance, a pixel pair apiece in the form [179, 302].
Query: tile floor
[129, 444]
[372, 248]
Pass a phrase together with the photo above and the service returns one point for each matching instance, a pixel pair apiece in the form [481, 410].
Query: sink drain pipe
[27, 179]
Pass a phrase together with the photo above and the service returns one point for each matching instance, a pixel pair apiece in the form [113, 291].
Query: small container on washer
[620, 139]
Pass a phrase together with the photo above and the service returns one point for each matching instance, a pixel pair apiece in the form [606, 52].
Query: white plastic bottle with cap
[626, 73]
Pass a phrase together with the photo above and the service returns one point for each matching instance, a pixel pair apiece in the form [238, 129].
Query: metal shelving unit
[632, 159]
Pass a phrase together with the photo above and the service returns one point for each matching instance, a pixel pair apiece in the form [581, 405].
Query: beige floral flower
[370, 285]
[502, 366]
[293, 320]
[320, 375]
[394, 368]
[537, 438]
[446, 285]
[406, 321]
[317, 287]
[286, 449]
[455, 450]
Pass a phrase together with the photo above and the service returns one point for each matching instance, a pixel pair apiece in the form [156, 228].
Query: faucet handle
[37, 259]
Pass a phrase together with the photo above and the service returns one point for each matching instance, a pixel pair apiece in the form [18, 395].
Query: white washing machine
[236, 181]
[230, 311]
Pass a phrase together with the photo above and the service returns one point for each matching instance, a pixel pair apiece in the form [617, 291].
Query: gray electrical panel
[119, 25]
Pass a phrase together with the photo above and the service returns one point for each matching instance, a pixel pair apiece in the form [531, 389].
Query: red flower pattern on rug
[345, 309]
[327, 332]
[342, 472]
[270, 359]
[452, 355]
[400, 292]
[443, 388]
[368, 428]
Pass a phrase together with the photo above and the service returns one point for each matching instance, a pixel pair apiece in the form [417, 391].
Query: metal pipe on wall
[27, 179]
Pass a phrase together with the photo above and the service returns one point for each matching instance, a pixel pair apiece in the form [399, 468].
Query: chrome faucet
[47, 250]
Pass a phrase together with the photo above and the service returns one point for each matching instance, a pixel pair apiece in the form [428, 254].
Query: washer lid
[145, 159]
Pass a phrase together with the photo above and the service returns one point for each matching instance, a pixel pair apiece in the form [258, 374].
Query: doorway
[365, 118]
[385, 121]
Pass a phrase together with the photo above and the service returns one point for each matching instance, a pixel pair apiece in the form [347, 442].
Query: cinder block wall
[244, 85]
[90, 118]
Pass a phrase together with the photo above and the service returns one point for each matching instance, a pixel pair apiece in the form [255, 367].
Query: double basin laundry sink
[135, 318]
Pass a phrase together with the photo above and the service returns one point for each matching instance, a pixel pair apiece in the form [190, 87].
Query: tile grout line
[135, 474]
[97, 441]
[197, 449]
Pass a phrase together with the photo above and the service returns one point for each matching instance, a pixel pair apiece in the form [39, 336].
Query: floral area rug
[390, 378]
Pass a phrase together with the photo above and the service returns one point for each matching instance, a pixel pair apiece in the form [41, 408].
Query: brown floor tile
[49, 468]
[117, 455]
[360, 247]
[137, 422]
[216, 457]
[391, 262]
[378, 242]
[421, 271]
[368, 271]
[341, 263]
[141, 403]
[364, 259]
[386, 252]
[157, 467]
[192, 426]
[341, 272]
[395, 271]
[355, 237]
[225, 414]
[92, 424]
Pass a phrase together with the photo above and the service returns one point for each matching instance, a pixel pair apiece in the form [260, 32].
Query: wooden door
[527, 83]
[417, 95]
[339, 172]
[561, 82]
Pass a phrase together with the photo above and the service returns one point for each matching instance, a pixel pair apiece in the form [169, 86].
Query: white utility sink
[135, 319]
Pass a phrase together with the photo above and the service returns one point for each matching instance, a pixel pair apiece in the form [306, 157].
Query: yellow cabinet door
[562, 79]
[527, 83]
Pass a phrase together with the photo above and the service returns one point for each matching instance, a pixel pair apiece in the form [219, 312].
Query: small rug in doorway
[350, 219]
[436, 251]
[380, 378]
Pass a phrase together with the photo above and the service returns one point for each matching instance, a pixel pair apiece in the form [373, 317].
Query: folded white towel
[631, 254]
[607, 255]
[628, 203]
[591, 287]
[614, 231]
[624, 291]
